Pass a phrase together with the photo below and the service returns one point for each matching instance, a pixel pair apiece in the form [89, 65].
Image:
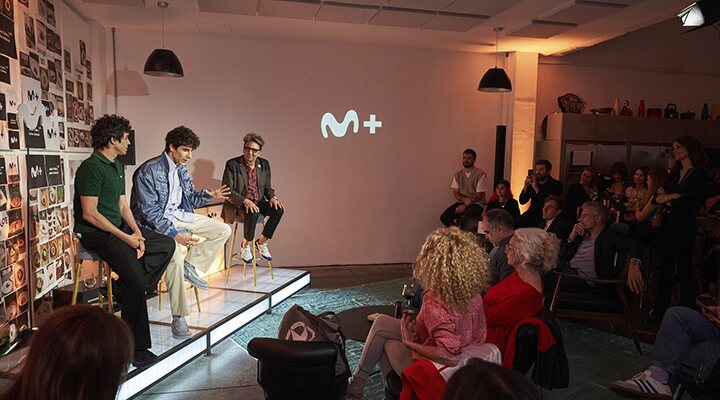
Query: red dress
[505, 304]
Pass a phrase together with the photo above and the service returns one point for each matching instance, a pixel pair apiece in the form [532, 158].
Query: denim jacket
[150, 194]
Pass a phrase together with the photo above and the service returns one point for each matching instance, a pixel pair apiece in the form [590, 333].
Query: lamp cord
[162, 13]
[497, 36]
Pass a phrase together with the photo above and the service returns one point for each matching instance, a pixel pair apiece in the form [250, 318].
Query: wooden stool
[160, 291]
[83, 254]
[256, 257]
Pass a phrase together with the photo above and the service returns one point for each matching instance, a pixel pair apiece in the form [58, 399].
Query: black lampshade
[495, 80]
[163, 62]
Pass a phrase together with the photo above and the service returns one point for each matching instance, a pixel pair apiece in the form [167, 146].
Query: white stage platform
[225, 308]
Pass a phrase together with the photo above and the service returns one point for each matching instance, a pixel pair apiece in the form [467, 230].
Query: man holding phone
[538, 185]
[469, 186]
[687, 347]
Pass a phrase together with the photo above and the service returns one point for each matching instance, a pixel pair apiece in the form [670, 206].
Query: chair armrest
[293, 353]
[596, 280]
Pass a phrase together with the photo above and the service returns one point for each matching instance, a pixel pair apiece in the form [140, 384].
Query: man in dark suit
[554, 219]
[251, 194]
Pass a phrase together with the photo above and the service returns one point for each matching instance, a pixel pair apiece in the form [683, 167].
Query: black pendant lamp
[163, 62]
[495, 79]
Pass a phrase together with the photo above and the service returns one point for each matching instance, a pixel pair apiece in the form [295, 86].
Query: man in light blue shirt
[163, 199]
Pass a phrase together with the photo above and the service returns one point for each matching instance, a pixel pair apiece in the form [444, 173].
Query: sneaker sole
[182, 337]
[633, 393]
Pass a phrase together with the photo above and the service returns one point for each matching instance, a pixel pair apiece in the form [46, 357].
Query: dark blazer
[560, 226]
[235, 177]
[613, 239]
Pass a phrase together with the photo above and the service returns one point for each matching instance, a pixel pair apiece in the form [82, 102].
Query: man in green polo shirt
[103, 218]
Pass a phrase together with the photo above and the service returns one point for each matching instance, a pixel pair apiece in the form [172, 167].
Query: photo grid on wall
[46, 109]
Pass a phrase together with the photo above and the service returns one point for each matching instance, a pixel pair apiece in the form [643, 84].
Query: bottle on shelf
[616, 107]
[641, 109]
[705, 112]
[713, 112]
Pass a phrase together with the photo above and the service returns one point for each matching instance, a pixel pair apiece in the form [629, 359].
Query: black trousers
[450, 218]
[675, 248]
[274, 216]
[136, 276]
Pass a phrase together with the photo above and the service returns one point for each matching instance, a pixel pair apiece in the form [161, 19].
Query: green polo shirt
[99, 177]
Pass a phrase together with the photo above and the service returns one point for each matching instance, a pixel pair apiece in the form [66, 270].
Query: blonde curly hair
[537, 249]
[452, 264]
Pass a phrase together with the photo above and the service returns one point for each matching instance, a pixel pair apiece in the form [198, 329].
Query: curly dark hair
[109, 127]
[181, 136]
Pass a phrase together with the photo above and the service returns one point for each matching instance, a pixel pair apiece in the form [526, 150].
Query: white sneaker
[642, 385]
[265, 252]
[247, 255]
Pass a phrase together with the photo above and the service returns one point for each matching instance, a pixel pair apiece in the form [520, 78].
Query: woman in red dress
[532, 252]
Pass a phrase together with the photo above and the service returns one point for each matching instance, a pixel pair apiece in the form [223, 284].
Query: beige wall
[357, 199]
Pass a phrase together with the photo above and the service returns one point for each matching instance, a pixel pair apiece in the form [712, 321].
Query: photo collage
[14, 286]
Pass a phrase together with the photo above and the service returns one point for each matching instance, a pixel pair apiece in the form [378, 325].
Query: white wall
[356, 199]
[660, 64]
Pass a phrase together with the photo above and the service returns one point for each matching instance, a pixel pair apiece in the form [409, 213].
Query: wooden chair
[607, 302]
[256, 256]
[83, 254]
[162, 288]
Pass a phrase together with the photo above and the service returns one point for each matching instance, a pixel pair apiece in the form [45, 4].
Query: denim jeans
[686, 341]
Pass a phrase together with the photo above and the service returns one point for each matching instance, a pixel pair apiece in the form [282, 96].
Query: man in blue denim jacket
[163, 198]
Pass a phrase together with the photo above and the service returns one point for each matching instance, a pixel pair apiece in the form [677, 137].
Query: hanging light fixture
[163, 62]
[495, 79]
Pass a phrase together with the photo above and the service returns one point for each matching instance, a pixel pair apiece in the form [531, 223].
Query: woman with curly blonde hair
[452, 267]
[532, 252]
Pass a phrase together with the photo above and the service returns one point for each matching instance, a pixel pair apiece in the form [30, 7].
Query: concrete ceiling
[549, 27]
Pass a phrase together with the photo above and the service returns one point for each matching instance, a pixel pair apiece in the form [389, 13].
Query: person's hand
[460, 209]
[275, 203]
[578, 230]
[184, 239]
[407, 330]
[220, 193]
[250, 207]
[528, 180]
[137, 242]
[712, 313]
[634, 277]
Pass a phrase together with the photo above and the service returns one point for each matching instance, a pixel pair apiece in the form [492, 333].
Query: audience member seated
[591, 248]
[684, 195]
[481, 380]
[503, 198]
[469, 186]
[498, 228]
[453, 270]
[554, 219]
[637, 193]
[538, 186]
[581, 192]
[687, 348]
[613, 188]
[79, 352]
[531, 252]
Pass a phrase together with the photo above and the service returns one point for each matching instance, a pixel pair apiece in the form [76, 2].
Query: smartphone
[707, 308]
[530, 172]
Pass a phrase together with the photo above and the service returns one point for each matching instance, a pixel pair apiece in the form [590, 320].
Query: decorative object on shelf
[616, 107]
[654, 113]
[626, 111]
[671, 111]
[641, 108]
[602, 111]
[495, 79]
[713, 112]
[687, 115]
[163, 62]
[705, 112]
[571, 103]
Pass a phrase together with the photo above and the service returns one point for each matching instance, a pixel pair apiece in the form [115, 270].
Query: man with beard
[538, 185]
[107, 227]
[163, 199]
[469, 186]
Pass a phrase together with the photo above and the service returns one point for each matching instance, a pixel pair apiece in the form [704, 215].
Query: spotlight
[701, 14]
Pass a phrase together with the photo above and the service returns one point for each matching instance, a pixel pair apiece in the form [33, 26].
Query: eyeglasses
[251, 150]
